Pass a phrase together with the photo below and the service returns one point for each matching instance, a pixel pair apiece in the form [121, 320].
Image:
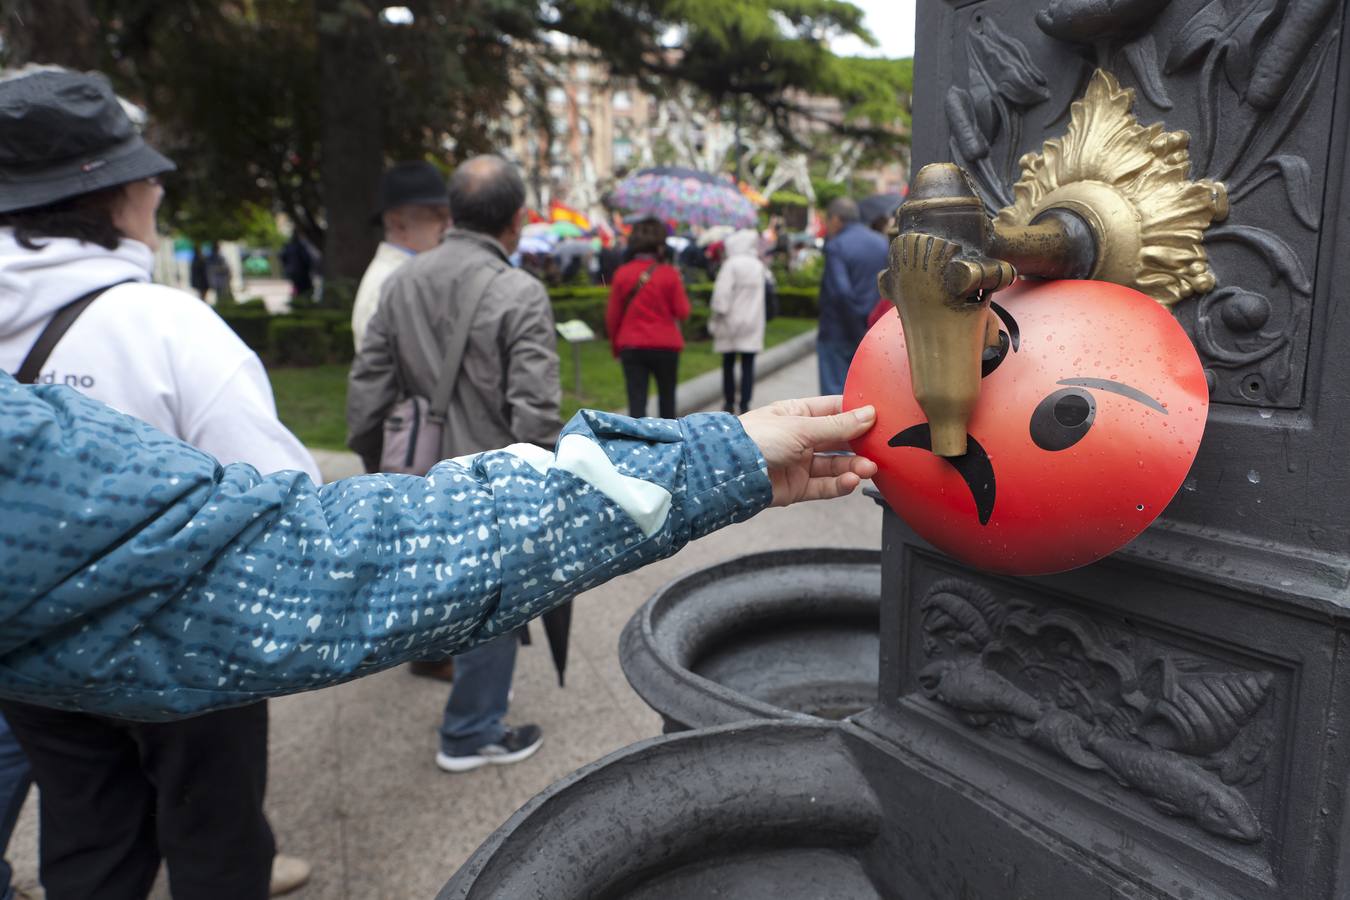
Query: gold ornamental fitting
[1131, 185]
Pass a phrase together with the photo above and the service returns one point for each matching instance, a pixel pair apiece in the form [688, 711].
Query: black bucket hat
[416, 183]
[63, 134]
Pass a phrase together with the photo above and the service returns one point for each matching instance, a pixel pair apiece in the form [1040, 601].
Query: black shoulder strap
[56, 329]
[645, 277]
[461, 321]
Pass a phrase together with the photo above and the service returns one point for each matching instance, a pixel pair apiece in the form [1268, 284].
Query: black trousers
[115, 796]
[641, 365]
[729, 379]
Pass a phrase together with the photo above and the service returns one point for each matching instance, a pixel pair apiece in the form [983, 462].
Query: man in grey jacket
[507, 392]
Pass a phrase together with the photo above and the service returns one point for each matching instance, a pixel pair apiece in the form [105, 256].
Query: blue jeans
[833, 360]
[479, 697]
[15, 777]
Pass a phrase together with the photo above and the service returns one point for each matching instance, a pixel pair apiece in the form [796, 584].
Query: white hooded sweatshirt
[737, 323]
[147, 350]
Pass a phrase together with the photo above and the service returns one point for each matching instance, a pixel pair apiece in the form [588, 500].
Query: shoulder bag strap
[645, 277]
[56, 329]
[461, 321]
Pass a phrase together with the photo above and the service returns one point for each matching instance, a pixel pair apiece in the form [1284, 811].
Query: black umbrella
[878, 206]
[557, 630]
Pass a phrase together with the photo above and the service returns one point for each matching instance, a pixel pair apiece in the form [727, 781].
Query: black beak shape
[974, 467]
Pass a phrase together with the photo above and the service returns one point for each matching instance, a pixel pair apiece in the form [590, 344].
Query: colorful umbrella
[536, 246]
[685, 196]
[566, 229]
[542, 230]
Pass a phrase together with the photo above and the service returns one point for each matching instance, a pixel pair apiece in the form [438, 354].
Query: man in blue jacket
[140, 578]
[854, 254]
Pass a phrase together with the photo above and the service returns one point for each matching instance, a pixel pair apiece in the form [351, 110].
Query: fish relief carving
[1180, 732]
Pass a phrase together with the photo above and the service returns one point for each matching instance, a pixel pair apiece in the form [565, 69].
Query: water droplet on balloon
[1254, 476]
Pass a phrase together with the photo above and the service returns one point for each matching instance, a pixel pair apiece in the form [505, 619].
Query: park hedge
[309, 338]
[299, 341]
[314, 336]
[589, 303]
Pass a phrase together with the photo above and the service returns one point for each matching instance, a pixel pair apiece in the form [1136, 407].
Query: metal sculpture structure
[1166, 722]
[1168, 717]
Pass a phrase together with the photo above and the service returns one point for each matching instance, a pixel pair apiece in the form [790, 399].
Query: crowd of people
[169, 558]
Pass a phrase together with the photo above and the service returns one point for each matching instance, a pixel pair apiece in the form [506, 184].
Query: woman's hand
[791, 432]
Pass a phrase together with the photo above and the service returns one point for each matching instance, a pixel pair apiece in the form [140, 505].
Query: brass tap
[946, 261]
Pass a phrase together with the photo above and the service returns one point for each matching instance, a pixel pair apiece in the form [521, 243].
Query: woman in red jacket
[646, 304]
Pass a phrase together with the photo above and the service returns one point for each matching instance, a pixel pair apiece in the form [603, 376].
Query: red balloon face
[1088, 421]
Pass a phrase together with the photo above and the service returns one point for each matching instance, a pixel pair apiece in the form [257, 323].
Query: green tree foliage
[773, 52]
[294, 105]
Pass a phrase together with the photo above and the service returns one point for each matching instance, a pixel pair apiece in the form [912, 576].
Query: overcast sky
[891, 22]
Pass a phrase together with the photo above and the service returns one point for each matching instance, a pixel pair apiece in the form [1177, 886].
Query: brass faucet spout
[941, 280]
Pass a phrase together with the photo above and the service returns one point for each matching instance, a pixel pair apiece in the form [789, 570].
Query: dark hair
[87, 218]
[845, 208]
[649, 236]
[485, 194]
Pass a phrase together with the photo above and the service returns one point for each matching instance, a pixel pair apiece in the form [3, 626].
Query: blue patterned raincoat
[139, 578]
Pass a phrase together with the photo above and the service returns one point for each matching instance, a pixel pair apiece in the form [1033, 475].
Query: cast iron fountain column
[1207, 659]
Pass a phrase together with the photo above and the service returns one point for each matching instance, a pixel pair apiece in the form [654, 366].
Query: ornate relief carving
[1003, 84]
[1266, 54]
[1100, 25]
[1249, 69]
[1186, 734]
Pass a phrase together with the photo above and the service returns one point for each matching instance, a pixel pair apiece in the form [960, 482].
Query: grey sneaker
[517, 744]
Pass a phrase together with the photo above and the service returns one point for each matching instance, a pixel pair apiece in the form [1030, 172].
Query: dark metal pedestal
[1169, 722]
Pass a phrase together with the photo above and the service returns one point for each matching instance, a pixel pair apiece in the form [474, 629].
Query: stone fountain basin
[789, 809]
[786, 634]
[773, 810]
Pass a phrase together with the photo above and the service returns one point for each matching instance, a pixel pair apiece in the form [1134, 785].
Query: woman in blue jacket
[140, 578]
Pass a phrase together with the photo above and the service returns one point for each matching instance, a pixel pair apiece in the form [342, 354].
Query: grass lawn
[312, 401]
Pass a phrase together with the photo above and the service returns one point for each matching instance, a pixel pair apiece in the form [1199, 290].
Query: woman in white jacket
[737, 323]
[77, 216]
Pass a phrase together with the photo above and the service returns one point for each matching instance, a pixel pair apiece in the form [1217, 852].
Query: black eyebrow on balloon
[1115, 387]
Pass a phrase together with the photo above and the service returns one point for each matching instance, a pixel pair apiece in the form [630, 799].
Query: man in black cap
[414, 208]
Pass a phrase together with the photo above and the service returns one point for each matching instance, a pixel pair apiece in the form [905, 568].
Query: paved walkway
[354, 786]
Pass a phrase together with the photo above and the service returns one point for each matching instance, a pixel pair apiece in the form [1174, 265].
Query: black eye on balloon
[1062, 419]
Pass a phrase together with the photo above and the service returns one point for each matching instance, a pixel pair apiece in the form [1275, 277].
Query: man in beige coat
[737, 323]
[508, 392]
